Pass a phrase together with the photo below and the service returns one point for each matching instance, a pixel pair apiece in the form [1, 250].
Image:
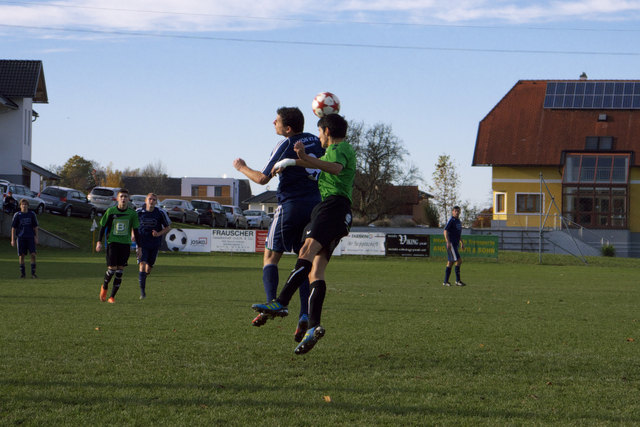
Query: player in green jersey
[330, 222]
[117, 223]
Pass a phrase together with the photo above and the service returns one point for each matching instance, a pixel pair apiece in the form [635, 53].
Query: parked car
[235, 217]
[20, 192]
[67, 201]
[104, 197]
[257, 218]
[211, 212]
[138, 201]
[180, 210]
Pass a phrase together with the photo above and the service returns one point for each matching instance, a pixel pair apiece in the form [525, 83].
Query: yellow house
[566, 149]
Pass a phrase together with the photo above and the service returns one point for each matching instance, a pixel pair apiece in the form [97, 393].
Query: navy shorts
[330, 222]
[289, 220]
[26, 246]
[452, 254]
[148, 255]
[118, 254]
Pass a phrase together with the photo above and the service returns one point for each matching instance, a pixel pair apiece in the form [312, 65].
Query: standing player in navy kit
[24, 235]
[297, 196]
[453, 237]
[154, 223]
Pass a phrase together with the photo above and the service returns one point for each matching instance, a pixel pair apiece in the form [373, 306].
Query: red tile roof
[518, 131]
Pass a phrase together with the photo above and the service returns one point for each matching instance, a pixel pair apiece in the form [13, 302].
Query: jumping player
[24, 234]
[452, 235]
[297, 195]
[117, 223]
[154, 223]
[330, 222]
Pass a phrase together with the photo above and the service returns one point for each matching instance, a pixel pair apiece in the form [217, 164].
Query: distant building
[227, 191]
[582, 137]
[22, 84]
[266, 201]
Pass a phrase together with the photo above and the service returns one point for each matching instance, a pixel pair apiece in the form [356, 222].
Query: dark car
[211, 212]
[67, 201]
[180, 211]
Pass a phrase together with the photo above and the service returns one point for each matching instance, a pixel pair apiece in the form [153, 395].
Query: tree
[445, 186]
[112, 177]
[77, 172]
[380, 163]
[154, 176]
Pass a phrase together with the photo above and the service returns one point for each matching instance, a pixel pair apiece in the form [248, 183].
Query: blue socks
[270, 280]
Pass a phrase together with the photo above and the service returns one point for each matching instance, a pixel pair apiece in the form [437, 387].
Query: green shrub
[608, 250]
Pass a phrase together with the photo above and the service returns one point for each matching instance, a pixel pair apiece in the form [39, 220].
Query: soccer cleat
[33, 276]
[143, 294]
[460, 283]
[274, 308]
[446, 284]
[22, 276]
[103, 294]
[310, 339]
[260, 319]
[111, 300]
[303, 324]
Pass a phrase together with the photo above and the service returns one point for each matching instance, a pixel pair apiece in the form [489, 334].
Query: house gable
[23, 79]
[520, 131]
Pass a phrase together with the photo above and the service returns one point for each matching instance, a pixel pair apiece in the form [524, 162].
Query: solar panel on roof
[599, 95]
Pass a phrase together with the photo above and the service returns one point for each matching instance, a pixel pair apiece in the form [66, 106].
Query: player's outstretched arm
[254, 175]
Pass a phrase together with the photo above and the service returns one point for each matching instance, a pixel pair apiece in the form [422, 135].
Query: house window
[599, 143]
[595, 190]
[596, 168]
[499, 203]
[528, 203]
[217, 191]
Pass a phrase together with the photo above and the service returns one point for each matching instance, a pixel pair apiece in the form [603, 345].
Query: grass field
[523, 344]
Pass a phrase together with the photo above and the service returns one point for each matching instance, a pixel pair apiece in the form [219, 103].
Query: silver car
[103, 197]
[20, 192]
[235, 217]
[257, 218]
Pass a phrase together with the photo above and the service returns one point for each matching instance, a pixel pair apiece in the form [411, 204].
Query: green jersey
[119, 224]
[341, 184]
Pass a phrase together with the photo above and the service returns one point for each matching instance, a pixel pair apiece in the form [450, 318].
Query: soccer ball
[176, 239]
[325, 103]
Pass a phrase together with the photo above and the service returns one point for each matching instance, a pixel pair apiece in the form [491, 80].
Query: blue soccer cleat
[303, 324]
[273, 308]
[310, 339]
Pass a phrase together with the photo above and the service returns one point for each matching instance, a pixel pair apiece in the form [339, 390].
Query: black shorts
[148, 255]
[330, 222]
[26, 245]
[118, 254]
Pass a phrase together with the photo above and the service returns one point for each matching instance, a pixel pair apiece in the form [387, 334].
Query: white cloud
[242, 15]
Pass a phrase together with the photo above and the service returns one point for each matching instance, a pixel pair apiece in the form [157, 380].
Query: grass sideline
[523, 344]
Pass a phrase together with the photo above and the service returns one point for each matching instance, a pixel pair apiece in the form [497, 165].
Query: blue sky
[195, 84]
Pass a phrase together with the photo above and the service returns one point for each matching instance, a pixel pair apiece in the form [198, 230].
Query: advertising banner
[363, 244]
[413, 245]
[187, 240]
[232, 240]
[474, 246]
[261, 237]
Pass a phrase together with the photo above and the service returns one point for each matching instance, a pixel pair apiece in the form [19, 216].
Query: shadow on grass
[221, 395]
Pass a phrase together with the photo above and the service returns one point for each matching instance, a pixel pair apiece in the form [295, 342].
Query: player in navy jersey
[154, 223]
[453, 237]
[24, 235]
[297, 196]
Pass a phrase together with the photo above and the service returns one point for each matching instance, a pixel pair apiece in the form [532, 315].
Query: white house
[22, 84]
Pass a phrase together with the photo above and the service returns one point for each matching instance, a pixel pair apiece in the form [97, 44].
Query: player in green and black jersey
[117, 223]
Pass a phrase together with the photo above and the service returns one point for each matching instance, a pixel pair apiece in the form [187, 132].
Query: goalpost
[563, 223]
